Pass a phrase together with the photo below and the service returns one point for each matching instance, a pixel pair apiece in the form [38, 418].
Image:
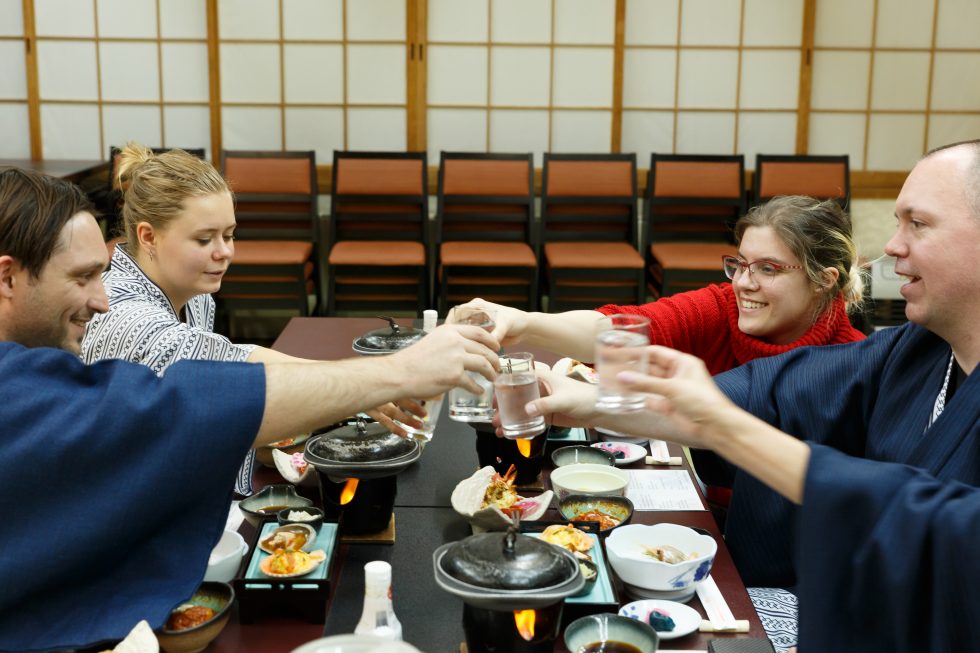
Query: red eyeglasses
[734, 266]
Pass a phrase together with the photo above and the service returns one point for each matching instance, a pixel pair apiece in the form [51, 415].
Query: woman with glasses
[793, 280]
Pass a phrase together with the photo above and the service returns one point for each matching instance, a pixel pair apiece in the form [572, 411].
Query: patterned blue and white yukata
[143, 327]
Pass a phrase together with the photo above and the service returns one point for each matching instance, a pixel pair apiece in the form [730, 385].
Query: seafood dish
[567, 537]
[579, 543]
[292, 537]
[669, 554]
[284, 564]
[604, 520]
[294, 467]
[576, 370]
[489, 500]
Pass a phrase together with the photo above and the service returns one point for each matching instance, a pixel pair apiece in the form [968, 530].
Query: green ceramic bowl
[619, 508]
[218, 597]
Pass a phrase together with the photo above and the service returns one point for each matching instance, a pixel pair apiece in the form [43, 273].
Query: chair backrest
[379, 196]
[589, 197]
[820, 177]
[485, 197]
[693, 197]
[275, 194]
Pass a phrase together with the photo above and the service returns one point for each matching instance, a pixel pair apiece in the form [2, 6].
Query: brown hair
[34, 208]
[819, 234]
[157, 185]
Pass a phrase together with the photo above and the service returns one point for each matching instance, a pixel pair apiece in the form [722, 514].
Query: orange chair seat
[592, 255]
[487, 254]
[377, 252]
[272, 252]
[691, 256]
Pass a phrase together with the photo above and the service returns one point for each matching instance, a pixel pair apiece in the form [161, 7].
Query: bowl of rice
[308, 515]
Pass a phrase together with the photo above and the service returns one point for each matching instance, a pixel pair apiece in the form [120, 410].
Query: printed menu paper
[663, 490]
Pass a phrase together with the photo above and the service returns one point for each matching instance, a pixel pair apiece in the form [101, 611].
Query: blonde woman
[179, 220]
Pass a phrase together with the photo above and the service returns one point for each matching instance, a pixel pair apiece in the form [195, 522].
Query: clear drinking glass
[465, 406]
[620, 346]
[433, 406]
[516, 384]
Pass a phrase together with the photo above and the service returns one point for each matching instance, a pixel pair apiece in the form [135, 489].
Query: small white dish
[686, 619]
[616, 436]
[630, 452]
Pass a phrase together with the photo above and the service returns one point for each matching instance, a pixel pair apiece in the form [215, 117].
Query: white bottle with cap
[378, 616]
[430, 318]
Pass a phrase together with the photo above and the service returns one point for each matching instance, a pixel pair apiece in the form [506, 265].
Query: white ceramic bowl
[590, 479]
[355, 644]
[625, 548]
[226, 557]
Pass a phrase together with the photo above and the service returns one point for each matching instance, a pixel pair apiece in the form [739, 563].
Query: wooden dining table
[424, 519]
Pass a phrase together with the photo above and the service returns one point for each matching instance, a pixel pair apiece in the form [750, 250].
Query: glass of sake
[465, 406]
[620, 346]
[433, 407]
[515, 386]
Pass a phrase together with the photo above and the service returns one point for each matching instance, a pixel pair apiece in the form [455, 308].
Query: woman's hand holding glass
[510, 324]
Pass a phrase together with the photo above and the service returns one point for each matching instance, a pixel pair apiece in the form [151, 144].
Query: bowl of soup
[661, 557]
[589, 479]
[267, 504]
[610, 633]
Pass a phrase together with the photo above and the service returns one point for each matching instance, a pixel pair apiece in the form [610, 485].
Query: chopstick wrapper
[660, 455]
[719, 614]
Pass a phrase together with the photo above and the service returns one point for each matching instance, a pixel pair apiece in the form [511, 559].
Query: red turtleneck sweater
[705, 323]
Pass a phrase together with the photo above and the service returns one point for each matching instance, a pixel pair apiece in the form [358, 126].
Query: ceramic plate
[615, 436]
[630, 452]
[316, 558]
[602, 591]
[686, 619]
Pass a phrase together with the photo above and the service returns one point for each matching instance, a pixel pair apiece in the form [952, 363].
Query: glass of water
[620, 346]
[515, 386]
[465, 406]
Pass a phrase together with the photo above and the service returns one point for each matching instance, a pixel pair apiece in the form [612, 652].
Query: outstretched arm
[568, 334]
[405, 411]
[687, 407]
[305, 396]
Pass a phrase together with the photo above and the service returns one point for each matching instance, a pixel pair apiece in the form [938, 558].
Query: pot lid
[362, 450]
[508, 561]
[387, 339]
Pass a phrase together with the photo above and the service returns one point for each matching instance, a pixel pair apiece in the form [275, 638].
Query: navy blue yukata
[116, 485]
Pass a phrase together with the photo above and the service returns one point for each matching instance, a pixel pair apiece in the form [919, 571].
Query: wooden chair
[379, 228]
[487, 245]
[820, 177]
[590, 231]
[692, 203]
[277, 238]
[110, 200]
